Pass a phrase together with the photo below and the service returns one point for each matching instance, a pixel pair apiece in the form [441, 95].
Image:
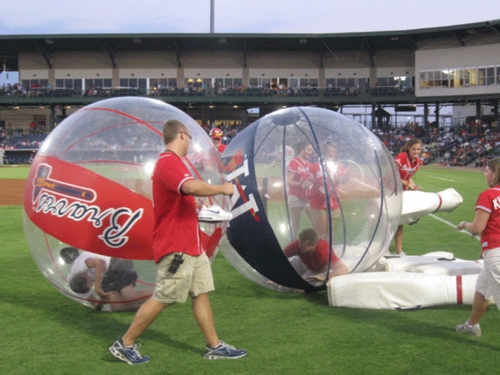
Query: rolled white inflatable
[417, 204]
[453, 268]
[399, 290]
[438, 262]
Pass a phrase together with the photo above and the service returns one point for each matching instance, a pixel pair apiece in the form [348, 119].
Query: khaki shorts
[488, 281]
[194, 277]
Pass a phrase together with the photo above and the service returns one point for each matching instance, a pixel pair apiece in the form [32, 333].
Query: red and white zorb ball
[89, 191]
[351, 195]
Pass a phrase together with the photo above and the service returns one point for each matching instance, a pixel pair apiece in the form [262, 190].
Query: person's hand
[227, 188]
[307, 183]
[105, 296]
[461, 226]
[316, 278]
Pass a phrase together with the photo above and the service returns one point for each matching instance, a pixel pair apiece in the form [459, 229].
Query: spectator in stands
[216, 135]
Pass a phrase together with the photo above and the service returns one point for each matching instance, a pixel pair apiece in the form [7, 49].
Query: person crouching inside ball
[113, 279]
[310, 257]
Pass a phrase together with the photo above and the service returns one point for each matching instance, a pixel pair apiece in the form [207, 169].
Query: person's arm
[100, 268]
[290, 181]
[338, 269]
[411, 185]
[478, 225]
[201, 188]
[290, 250]
[304, 184]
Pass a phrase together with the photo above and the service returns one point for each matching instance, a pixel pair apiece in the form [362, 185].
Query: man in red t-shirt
[183, 268]
[312, 256]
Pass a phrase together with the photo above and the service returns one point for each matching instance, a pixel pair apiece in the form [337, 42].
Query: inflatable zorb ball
[88, 195]
[352, 196]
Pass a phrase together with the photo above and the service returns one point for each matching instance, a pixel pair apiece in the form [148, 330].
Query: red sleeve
[400, 159]
[292, 249]
[323, 253]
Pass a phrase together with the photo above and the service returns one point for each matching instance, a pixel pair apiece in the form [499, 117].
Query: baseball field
[43, 332]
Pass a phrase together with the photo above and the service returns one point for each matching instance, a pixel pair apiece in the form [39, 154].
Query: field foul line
[453, 225]
[441, 178]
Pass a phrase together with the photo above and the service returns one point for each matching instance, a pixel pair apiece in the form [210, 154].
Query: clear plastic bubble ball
[307, 168]
[87, 202]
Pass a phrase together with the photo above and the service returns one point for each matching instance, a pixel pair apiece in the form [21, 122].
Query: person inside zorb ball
[315, 181]
[88, 215]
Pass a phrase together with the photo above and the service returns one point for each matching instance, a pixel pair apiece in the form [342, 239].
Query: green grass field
[8, 171]
[43, 332]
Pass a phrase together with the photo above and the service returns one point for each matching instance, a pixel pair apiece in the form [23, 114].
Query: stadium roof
[372, 42]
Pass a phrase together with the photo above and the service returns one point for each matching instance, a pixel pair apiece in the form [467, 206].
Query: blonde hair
[410, 143]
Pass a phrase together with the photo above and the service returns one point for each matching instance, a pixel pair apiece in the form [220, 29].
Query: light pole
[212, 26]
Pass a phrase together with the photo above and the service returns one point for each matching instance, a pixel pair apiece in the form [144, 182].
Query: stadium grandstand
[402, 79]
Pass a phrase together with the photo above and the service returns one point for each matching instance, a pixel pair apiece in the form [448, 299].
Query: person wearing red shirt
[331, 173]
[487, 224]
[182, 267]
[298, 180]
[310, 256]
[216, 135]
[408, 162]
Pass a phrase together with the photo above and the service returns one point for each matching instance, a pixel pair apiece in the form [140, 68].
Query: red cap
[216, 133]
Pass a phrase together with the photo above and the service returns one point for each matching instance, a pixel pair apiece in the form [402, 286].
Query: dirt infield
[11, 192]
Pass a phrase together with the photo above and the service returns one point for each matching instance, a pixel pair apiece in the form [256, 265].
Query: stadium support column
[115, 77]
[52, 77]
[52, 119]
[437, 115]
[246, 77]
[495, 110]
[426, 116]
[478, 110]
[374, 119]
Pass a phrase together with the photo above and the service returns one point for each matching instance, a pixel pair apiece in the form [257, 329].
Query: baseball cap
[216, 133]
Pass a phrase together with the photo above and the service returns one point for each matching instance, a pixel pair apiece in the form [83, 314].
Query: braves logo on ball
[87, 210]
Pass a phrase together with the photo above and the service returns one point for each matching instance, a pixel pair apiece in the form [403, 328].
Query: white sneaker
[474, 330]
[213, 214]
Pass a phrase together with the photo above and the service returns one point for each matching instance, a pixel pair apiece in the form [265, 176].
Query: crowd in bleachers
[468, 145]
[21, 141]
[200, 89]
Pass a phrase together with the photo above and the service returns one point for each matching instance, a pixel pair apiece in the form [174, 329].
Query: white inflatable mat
[404, 263]
[451, 268]
[402, 290]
